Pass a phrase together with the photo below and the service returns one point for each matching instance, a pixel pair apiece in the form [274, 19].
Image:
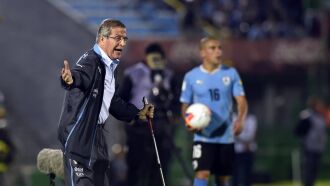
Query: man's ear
[103, 38]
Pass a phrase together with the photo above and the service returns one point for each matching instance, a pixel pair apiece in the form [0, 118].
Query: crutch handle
[145, 100]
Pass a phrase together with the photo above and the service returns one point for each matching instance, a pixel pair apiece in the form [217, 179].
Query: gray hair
[106, 27]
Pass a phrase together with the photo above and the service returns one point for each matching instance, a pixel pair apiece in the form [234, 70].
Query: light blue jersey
[216, 90]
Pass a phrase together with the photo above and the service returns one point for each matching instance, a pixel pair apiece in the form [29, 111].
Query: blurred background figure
[245, 148]
[7, 150]
[150, 78]
[311, 129]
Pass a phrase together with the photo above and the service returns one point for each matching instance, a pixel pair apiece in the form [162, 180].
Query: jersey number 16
[214, 94]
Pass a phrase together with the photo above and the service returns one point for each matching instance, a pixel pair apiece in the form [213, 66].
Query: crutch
[145, 101]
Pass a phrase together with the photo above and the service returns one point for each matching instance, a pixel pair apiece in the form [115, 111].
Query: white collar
[105, 58]
[213, 72]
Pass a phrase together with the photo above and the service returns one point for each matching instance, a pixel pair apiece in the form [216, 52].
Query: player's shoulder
[194, 71]
[229, 69]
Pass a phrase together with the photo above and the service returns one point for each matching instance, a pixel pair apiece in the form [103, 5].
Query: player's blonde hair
[205, 40]
[106, 27]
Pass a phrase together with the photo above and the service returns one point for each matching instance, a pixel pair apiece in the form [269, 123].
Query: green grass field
[287, 183]
[273, 158]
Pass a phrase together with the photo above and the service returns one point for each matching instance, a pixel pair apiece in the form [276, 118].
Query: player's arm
[242, 108]
[185, 99]
[184, 108]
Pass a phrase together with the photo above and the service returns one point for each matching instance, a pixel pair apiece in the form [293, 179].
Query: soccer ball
[197, 116]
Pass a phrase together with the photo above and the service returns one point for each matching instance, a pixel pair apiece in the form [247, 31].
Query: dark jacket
[82, 138]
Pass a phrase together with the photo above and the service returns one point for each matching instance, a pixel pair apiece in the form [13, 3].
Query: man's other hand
[147, 112]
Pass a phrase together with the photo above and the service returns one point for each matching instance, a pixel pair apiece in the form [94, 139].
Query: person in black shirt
[153, 78]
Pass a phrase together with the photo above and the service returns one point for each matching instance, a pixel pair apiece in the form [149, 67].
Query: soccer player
[217, 86]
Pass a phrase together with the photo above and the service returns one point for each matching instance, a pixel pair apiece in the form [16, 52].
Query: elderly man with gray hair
[91, 96]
